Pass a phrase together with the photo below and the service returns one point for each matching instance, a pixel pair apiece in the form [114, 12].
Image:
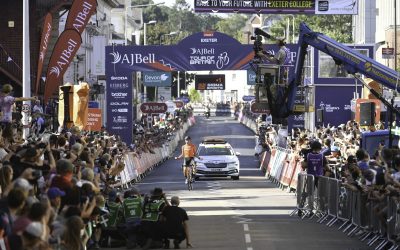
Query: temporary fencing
[248, 122]
[281, 166]
[332, 201]
[136, 167]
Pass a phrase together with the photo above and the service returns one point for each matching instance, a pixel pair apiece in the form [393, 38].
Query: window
[204, 151]
[328, 68]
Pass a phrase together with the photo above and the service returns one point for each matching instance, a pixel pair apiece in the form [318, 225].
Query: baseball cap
[55, 192]
[35, 229]
[335, 149]
[22, 184]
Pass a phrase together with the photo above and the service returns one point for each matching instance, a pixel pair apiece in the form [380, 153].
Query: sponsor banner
[164, 94]
[119, 105]
[260, 108]
[194, 53]
[94, 120]
[210, 82]
[64, 51]
[346, 7]
[171, 106]
[44, 42]
[153, 107]
[79, 14]
[336, 7]
[99, 55]
[296, 121]
[336, 110]
[251, 77]
[157, 79]
[248, 98]
[256, 6]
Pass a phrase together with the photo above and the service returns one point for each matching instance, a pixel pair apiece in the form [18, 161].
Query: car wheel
[235, 178]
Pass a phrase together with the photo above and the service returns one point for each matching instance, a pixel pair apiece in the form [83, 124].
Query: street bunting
[278, 6]
[79, 14]
[210, 82]
[64, 51]
[44, 42]
[153, 107]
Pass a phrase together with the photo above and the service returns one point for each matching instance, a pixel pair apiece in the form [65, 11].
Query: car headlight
[233, 164]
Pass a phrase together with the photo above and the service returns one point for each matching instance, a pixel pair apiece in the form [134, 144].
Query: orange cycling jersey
[189, 151]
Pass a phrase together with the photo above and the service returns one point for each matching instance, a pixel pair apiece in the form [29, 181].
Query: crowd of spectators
[58, 189]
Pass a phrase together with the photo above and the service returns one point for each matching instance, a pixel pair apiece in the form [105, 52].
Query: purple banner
[119, 105]
[336, 110]
[257, 6]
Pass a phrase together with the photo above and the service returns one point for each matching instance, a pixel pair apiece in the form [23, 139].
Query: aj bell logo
[132, 59]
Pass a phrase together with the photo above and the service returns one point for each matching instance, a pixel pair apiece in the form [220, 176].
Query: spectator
[54, 194]
[132, 208]
[176, 227]
[75, 236]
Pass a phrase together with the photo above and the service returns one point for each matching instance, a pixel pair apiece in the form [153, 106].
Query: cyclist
[188, 153]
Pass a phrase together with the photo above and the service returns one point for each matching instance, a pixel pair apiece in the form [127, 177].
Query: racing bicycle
[191, 176]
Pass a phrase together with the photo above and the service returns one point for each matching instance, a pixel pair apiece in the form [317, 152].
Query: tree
[232, 25]
[338, 27]
[194, 95]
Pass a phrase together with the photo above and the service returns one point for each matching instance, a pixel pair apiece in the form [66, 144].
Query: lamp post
[145, 31]
[126, 16]
[169, 34]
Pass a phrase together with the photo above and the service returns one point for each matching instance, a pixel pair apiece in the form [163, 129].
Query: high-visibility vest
[132, 207]
[152, 210]
[113, 216]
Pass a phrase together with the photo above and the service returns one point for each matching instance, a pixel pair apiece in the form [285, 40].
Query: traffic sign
[153, 107]
[26, 108]
[260, 108]
[387, 53]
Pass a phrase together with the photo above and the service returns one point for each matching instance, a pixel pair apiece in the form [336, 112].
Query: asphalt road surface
[246, 214]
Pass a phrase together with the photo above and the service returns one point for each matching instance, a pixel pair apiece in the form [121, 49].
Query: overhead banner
[44, 42]
[64, 51]
[157, 79]
[210, 82]
[349, 7]
[79, 14]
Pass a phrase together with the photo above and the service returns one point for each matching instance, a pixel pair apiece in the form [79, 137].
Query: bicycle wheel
[189, 182]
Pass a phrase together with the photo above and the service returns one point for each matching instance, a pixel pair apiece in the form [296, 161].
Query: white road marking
[248, 238]
[249, 248]
[246, 227]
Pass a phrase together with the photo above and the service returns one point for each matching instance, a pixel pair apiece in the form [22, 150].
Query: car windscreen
[224, 150]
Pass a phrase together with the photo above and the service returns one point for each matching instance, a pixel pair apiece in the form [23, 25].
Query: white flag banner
[340, 7]
[99, 52]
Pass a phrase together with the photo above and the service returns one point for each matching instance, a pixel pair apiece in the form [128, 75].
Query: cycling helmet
[187, 138]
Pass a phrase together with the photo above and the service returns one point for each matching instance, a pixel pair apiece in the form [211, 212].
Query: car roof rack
[211, 140]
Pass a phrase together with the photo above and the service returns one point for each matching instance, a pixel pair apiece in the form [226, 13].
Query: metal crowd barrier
[137, 167]
[332, 201]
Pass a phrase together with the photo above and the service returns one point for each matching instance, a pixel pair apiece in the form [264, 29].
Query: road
[248, 214]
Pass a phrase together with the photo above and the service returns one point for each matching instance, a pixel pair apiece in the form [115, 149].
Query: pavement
[246, 214]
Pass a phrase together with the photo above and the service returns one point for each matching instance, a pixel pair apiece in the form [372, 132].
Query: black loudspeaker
[367, 113]
[320, 115]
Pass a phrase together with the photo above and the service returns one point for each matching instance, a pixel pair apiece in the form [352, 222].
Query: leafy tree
[232, 25]
[338, 27]
[194, 95]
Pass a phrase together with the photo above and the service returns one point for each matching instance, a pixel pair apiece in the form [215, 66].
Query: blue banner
[119, 105]
[157, 79]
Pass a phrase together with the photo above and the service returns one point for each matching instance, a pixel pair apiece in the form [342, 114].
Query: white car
[217, 159]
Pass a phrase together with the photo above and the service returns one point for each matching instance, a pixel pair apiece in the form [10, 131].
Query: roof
[213, 140]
